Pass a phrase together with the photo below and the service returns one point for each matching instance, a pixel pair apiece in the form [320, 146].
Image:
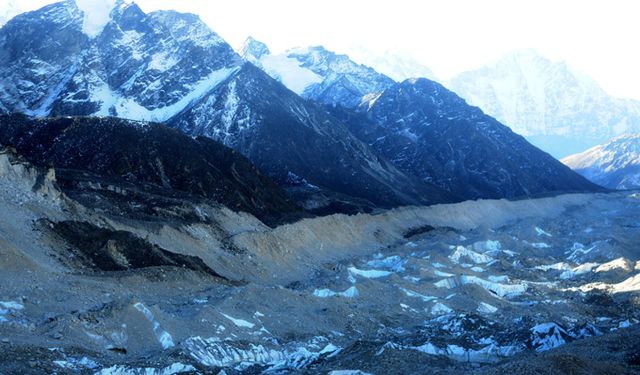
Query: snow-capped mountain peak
[557, 108]
[615, 164]
[132, 64]
[322, 75]
[253, 50]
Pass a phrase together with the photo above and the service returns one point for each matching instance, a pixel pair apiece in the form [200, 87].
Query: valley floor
[548, 285]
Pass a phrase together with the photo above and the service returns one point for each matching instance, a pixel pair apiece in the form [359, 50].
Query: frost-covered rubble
[449, 284]
[320, 295]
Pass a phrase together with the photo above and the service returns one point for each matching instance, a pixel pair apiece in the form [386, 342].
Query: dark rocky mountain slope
[292, 139]
[148, 157]
[428, 131]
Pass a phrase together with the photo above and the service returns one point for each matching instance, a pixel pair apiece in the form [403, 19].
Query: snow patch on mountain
[97, 14]
[239, 322]
[112, 103]
[290, 72]
[162, 61]
[351, 292]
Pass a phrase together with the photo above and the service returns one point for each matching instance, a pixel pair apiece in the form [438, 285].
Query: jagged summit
[287, 136]
[253, 50]
[140, 66]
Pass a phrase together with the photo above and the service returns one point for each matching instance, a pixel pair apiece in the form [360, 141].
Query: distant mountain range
[557, 109]
[615, 164]
[338, 135]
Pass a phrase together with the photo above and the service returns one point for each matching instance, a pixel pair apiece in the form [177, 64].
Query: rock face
[108, 250]
[137, 66]
[149, 157]
[557, 109]
[615, 164]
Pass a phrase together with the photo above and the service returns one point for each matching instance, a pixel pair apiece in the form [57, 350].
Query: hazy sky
[599, 38]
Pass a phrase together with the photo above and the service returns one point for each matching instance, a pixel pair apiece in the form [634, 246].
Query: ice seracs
[214, 352]
[546, 336]
[496, 288]
[616, 264]
[631, 284]
[486, 308]
[174, 368]
[164, 338]
[7, 308]
[369, 274]
[462, 252]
